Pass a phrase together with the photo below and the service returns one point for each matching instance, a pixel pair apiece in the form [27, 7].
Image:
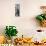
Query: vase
[43, 23]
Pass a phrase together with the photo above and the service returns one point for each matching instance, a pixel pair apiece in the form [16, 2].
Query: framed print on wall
[17, 9]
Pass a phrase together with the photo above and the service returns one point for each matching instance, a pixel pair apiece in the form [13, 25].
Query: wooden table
[25, 44]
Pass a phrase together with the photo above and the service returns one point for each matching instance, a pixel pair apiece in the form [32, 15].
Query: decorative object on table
[37, 43]
[42, 17]
[23, 40]
[17, 9]
[10, 31]
[19, 40]
[22, 36]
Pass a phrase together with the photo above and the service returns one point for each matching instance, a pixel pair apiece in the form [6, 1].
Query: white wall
[7, 15]
[26, 23]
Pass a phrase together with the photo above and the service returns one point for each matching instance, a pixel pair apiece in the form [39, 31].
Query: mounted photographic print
[17, 9]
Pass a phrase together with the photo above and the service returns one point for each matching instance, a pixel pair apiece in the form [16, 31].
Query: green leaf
[45, 16]
[40, 18]
[10, 31]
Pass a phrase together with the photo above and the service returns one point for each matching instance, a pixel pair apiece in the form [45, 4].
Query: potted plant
[10, 31]
[42, 17]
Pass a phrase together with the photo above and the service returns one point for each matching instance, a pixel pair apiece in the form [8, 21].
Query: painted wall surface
[26, 24]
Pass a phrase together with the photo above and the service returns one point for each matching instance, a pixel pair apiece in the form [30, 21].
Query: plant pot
[9, 41]
[43, 23]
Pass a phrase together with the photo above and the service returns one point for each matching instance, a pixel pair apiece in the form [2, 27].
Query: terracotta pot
[43, 23]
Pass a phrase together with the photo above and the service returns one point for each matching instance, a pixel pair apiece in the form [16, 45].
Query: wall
[26, 23]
